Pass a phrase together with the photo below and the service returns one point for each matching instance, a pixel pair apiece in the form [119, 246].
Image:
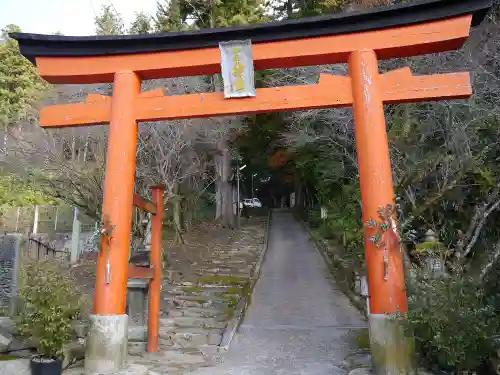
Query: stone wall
[9, 270]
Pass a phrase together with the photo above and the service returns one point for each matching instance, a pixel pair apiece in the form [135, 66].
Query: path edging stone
[243, 304]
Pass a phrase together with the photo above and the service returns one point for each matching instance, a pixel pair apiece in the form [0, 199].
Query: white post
[35, 221]
[55, 220]
[238, 187]
[253, 175]
[17, 218]
[75, 238]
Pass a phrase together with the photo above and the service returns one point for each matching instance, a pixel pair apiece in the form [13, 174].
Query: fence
[51, 219]
[35, 248]
[51, 232]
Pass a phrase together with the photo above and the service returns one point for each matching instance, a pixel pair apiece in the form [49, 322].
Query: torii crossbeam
[361, 39]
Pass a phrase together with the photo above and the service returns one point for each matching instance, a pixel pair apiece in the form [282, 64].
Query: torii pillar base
[107, 344]
[392, 350]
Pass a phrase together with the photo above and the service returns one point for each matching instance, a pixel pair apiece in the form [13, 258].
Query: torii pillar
[107, 340]
[391, 350]
[361, 39]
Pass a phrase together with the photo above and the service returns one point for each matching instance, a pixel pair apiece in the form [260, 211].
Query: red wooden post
[112, 265]
[391, 351]
[108, 334]
[156, 264]
[385, 281]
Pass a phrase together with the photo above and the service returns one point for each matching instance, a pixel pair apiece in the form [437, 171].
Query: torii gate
[361, 39]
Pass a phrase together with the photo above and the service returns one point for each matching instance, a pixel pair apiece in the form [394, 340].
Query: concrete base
[392, 350]
[106, 344]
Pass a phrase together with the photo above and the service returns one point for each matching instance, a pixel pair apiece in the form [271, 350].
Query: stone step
[217, 261]
[169, 304]
[194, 278]
[170, 361]
[178, 355]
[198, 322]
[237, 259]
[225, 270]
[210, 282]
[201, 269]
[196, 312]
[202, 290]
[195, 298]
[213, 302]
[191, 337]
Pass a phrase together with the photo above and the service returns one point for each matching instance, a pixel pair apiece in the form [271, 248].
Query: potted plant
[49, 305]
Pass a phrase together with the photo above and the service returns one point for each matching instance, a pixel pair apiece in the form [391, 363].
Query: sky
[70, 17]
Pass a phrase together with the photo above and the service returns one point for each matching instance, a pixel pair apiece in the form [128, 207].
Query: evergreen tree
[212, 13]
[20, 83]
[142, 24]
[168, 16]
[305, 8]
[109, 22]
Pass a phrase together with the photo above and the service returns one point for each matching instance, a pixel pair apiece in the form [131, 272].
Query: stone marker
[9, 271]
[136, 308]
[5, 340]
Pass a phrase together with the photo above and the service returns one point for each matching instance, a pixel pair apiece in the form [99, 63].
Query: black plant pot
[45, 366]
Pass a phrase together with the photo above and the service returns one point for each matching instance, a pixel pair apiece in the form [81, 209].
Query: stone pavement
[299, 322]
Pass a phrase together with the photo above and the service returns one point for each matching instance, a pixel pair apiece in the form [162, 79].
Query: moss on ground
[135, 340]
[234, 290]
[199, 300]
[223, 280]
[229, 311]
[363, 339]
[231, 300]
[6, 357]
[192, 289]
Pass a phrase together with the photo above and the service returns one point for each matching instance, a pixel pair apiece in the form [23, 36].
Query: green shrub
[363, 339]
[50, 302]
[452, 321]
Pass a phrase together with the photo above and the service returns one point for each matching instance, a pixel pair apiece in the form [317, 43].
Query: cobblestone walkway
[299, 323]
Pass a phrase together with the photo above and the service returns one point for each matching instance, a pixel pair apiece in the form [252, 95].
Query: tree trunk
[177, 214]
[85, 150]
[227, 191]
[299, 200]
[218, 188]
[73, 148]
[189, 206]
[289, 8]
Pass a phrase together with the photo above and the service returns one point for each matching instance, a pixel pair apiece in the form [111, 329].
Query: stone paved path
[298, 323]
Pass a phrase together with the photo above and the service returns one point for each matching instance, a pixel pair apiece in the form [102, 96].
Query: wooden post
[18, 213]
[155, 261]
[110, 320]
[55, 220]
[35, 220]
[377, 191]
[386, 284]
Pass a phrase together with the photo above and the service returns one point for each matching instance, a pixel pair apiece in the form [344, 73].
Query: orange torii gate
[361, 39]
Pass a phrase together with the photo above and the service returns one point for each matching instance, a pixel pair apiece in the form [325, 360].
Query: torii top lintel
[404, 30]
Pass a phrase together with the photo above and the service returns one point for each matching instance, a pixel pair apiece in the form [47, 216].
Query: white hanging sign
[324, 213]
[237, 68]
